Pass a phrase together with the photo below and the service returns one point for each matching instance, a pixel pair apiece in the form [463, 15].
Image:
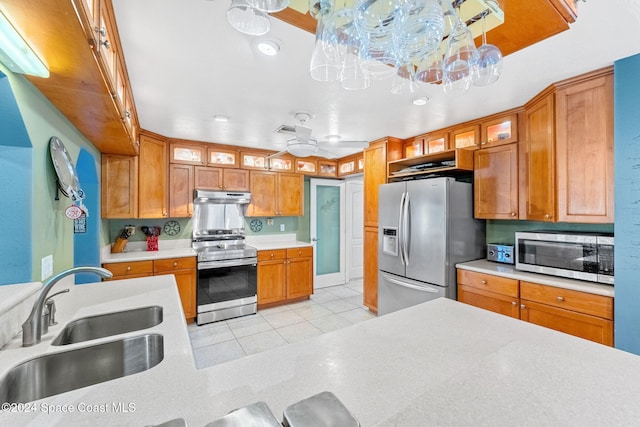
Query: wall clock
[171, 228]
[255, 225]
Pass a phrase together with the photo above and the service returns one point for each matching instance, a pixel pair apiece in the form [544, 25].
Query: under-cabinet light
[16, 54]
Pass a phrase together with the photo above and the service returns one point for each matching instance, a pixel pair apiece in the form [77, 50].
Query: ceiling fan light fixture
[302, 148]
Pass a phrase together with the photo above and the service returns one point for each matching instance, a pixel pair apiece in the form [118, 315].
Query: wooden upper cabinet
[276, 194]
[360, 162]
[538, 160]
[222, 158]
[376, 157]
[347, 166]
[249, 160]
[180, 190]
[263, 193]
[152, 188]
[306, 166]
[284, 163]
[496, 182]
[290, 194]
[107, 47]
[327, 168]
[208, 178]
[436, 142]
[584, 151]
[500, 130]
[119, 186]
[188, 154]
[413, 147]
[466, 137]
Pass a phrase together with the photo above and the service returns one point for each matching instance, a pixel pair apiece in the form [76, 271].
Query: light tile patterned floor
[328, 309]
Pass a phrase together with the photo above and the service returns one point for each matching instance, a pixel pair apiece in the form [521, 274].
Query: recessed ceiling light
[220, 118]
[333, 138]
[421, 101]
[268, 47]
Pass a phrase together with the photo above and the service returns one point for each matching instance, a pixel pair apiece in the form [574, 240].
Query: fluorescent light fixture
[16, 54]
[220, 118]
[268, 47]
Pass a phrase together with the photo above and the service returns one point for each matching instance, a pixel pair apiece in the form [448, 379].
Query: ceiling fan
[304, 145]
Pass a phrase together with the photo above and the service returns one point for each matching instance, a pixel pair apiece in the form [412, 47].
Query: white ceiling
[187, 64]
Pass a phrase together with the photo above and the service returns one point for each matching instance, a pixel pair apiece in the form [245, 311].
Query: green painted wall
[504, 231]
[52, 232]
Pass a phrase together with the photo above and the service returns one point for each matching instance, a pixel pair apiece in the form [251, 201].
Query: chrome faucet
[32, 327]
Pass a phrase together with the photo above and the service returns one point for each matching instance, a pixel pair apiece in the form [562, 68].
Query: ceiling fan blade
[345, 144]
[303, 133]
[278, 154]
[286, 129]
[326, 154]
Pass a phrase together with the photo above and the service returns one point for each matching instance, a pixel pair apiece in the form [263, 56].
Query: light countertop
[275, 241]
[437, 363]
[509, 271]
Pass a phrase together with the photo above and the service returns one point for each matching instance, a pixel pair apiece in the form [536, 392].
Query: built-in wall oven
[579, 256]
[227, 267]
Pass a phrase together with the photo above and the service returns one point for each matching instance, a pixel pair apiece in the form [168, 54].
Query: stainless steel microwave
[579, 256]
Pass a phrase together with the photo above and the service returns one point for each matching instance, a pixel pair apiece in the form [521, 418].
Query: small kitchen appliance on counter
[227, 281]
[500, 252]
[581, 256]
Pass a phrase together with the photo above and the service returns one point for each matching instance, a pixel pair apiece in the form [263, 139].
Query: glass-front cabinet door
[502, 130]
[224, 158]
[306, 166]
[254, 161]
[281, 164]
[327, 168]
[467, 137]
[435, 143]
[186, 154]
[413, 148]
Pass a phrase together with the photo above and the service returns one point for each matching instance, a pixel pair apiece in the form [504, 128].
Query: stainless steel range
[227, 267]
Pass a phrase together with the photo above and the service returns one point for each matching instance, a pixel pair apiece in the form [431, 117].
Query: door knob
[313, 239]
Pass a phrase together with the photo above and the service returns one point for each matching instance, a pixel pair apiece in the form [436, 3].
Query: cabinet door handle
[513, 214]
[175, 264]
[547, 216]
[106, 44]
[484, 282]
[522, 306]
[272, 254]
[560, 299]
[101, 30]
[129, 268]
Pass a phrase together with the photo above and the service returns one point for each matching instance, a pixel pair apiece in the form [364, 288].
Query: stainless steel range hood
[221, 197]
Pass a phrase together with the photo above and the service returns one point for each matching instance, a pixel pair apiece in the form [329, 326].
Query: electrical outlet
[281, 227]
[46, 267]
[269, 221]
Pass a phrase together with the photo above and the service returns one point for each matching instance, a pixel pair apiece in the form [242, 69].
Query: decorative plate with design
[171, 228]
[255, 225]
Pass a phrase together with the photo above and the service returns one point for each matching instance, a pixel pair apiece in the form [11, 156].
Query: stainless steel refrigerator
[425, 228]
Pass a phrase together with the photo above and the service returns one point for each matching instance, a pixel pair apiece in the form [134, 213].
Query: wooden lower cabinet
[370, 273]
[577, 313]
[284, 275]
[184, 270]
[491, 301]
[581, 314]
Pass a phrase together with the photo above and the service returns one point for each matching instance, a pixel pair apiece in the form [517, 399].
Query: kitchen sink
[105, 325]
[57, 373]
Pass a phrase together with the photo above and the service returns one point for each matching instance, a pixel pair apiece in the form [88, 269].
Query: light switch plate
[46, 267]
[281, 227]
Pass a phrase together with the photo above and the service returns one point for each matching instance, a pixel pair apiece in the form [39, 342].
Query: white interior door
[355, 229]
[327, 200]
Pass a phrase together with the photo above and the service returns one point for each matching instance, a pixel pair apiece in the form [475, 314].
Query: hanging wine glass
[325, 60]
[429, 70]
[460, 57]
[404, 80]
[489, 66]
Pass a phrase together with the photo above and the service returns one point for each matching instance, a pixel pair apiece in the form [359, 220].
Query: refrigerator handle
[401, 226]
[409, 285]
[406, 228]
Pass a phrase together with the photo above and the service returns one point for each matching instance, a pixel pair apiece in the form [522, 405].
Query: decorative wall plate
[171, 228]
[255, 225]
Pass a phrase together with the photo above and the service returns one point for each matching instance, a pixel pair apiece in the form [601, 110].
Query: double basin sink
[57, 373]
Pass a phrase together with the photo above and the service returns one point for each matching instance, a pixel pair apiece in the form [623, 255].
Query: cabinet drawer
[171, 264]
[488, 282]
[491, 301]
[130, 268]
[306, 251]
[582, 302]
[271, 255]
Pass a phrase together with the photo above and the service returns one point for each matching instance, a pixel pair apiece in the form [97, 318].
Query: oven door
[226, 289]
[566, 255]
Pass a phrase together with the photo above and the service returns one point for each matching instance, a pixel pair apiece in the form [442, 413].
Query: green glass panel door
[328, 229]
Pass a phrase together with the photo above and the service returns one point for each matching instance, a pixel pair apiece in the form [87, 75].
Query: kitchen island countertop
[437, 363]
